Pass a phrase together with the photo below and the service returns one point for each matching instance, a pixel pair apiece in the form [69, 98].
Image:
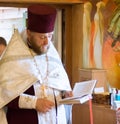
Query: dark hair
[3, 41]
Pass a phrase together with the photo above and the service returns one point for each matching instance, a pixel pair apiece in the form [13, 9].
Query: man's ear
[28, 32]
[28, 37]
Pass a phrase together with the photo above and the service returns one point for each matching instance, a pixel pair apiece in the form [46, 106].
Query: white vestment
[19, 71]
[3, 119]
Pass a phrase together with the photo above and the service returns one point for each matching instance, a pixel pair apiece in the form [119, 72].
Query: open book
[82, 92]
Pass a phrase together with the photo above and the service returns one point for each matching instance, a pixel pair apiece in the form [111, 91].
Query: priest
[32, 77]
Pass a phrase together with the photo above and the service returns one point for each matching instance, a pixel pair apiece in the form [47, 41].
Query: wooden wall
[77, 40]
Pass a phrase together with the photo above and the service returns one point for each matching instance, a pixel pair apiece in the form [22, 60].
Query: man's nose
[46, 41]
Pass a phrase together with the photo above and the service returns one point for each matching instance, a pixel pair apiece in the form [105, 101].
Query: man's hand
[66, 94]
[43, 105]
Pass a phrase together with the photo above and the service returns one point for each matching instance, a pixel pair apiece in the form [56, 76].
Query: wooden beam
[77, 38]
[42, 1]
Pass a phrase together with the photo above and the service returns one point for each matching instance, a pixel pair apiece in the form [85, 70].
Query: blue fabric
[68, 110]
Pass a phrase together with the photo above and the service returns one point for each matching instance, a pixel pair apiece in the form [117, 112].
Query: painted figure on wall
[86, 33]
[98, 35]
[93, 29]
[111, 48]
[102, 43]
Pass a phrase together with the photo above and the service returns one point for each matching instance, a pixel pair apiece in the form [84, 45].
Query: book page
[80, 90]
[84, 88]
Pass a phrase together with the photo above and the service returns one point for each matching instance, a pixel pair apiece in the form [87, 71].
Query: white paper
[80, 90]
[85, 98]
[99, 90]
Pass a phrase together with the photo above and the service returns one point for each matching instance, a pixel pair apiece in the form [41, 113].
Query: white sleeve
[27, 101]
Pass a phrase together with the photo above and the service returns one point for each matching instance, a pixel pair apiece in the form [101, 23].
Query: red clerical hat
[41, 18]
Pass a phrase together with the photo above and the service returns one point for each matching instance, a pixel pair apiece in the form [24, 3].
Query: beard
[38, 49]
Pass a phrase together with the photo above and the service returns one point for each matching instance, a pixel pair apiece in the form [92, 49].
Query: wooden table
[101, 114]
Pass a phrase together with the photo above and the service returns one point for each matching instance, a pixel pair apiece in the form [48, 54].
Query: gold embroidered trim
[13, 58]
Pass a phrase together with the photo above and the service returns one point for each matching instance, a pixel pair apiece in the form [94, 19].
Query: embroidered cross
[43, 88]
